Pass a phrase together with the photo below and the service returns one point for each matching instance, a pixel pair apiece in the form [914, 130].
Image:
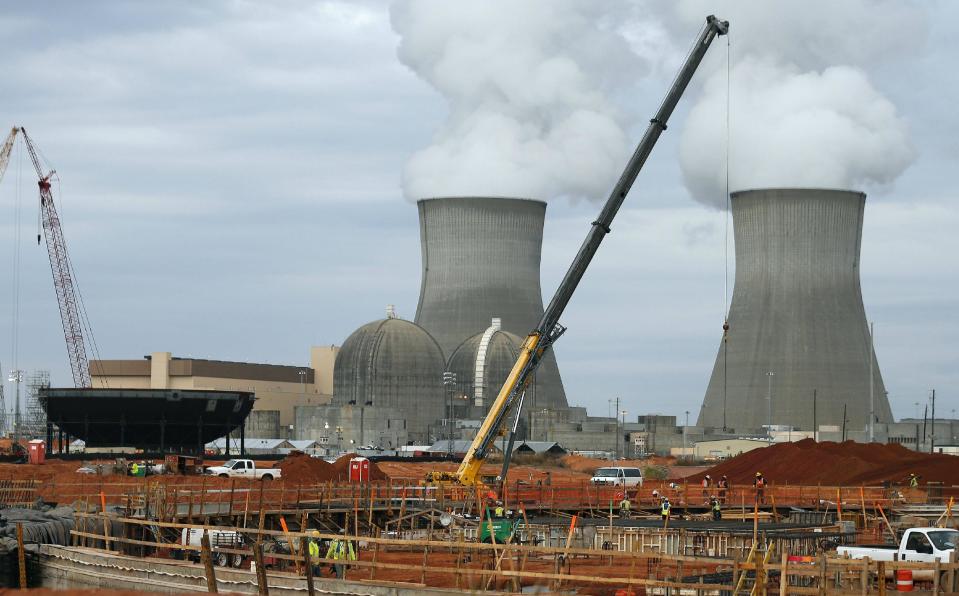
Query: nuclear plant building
[798, 350]
[481, 259]
[480, 296]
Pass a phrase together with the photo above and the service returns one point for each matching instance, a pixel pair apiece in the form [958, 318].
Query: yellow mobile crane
[510, 397]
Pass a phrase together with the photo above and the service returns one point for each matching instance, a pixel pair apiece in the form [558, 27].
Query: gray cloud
[232, 189]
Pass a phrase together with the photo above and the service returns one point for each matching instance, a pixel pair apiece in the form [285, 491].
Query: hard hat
[759, 473]
[315, 533]
[707, 475]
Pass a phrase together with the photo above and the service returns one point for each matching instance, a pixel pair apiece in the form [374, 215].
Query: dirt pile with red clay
[848, 464]
[299, 467]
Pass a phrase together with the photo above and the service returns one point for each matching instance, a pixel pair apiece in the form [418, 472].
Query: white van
[618, 476]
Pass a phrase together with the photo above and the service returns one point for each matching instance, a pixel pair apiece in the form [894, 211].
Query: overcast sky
[232, 188]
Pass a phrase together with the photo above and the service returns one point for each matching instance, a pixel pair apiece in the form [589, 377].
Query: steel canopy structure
[149, 419]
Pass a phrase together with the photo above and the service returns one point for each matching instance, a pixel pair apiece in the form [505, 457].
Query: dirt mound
[299, 467]
[848, 463]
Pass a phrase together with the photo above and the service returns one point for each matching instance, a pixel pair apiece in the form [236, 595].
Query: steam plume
[529, 88]
[803, 111]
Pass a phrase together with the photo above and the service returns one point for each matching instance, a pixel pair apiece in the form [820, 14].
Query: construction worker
[913, 481]
[760, 483]
[723, 485]
[664, 509]
[341, 549]
[314, 547]
[716, 508]
[499, 511]
[707, 482]
[134, 469]
[625, 506]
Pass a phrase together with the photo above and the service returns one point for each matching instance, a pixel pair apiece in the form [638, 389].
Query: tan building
[278, 388]
[725, 448]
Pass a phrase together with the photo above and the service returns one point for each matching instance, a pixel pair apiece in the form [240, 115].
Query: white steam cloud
[529, 86]
[803, 111]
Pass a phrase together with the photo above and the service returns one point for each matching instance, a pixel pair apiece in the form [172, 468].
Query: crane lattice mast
[62, 273]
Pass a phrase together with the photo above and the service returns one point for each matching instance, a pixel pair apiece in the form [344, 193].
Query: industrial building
[481, 260]
[798, 350]
[278, 388]
[480, 295]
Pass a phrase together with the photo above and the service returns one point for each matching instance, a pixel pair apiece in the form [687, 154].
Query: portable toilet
[359, 469]
[37, 451]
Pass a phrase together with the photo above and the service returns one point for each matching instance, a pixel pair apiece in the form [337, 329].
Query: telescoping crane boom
[549, 329]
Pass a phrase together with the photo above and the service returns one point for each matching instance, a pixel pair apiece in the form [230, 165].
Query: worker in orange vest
[760, 484]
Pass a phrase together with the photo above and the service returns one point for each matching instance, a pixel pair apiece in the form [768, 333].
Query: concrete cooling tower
[797, 313]
[481, 259]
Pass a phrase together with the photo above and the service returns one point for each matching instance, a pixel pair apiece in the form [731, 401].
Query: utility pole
[872, 387]
[769, 402]
[685, 431]
[815, 424]
[844, 423]
[622, 432]
[616, 411]
[932, 435]
[449, 379]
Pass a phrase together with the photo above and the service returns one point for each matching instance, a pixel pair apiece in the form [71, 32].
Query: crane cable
[82, 308]
[726, 249]
[15, 315]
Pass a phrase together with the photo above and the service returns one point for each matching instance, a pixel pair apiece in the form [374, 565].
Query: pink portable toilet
[359, 469]
[37, 451]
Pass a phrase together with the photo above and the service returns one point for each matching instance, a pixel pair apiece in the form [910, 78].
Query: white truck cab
[925, 545]
[243, 468]
[618, 476]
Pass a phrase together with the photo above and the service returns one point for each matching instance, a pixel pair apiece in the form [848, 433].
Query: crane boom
[5, 151]
[62, 273]
[549, 330]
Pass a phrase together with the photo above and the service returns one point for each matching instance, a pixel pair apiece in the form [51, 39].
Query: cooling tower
[796, 312]
[481, 260]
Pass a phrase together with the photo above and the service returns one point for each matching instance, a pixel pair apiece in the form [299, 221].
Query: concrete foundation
[70, 568]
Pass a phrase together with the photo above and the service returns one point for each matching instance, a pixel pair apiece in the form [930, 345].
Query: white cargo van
[618, 476]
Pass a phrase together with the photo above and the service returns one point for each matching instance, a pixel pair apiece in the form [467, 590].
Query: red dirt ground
[810, 463]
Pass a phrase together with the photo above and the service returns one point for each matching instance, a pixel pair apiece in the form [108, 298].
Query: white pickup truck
[918, 544]
[243, 468]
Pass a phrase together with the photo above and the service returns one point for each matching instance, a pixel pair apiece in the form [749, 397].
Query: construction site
[443, 455]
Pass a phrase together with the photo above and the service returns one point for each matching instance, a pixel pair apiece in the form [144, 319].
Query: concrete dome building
[481, 364]
[392, 363]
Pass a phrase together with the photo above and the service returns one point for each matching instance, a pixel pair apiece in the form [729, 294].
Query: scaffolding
[34, 422]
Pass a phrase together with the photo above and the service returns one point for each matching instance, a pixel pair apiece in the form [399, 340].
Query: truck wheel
[267, 477]
[221, 559]
[224, 475]
[237, 561]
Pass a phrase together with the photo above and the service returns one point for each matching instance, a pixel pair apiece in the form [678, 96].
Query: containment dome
[392, 363]
[482, 362]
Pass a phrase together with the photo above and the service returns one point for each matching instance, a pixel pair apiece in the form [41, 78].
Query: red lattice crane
[62, 273]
